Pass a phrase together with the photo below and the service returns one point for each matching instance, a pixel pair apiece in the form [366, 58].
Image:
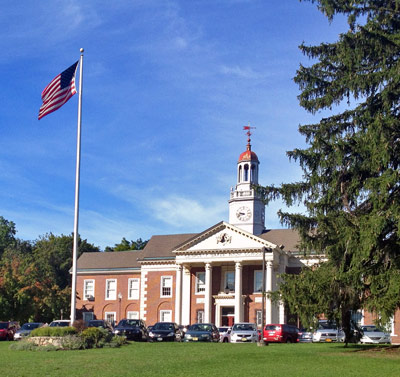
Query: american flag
[59, 91]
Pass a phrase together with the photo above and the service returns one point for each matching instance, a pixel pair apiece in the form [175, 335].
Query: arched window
[253, 173]
[240, 174]
[246, 173]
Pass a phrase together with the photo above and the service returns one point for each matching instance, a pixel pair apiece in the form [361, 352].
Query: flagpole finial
[81, 50]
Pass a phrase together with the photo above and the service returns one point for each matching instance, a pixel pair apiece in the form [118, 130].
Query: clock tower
[246, 209]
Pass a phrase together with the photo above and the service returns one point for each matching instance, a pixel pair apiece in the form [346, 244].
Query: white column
[268, 303]
[238, 292]
[281, 312]
[186, 296]
[178, 295]
[207, 293]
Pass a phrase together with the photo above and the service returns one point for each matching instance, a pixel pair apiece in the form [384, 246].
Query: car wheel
[225, 340]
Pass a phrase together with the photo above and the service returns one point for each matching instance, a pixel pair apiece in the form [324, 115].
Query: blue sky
[168, 87]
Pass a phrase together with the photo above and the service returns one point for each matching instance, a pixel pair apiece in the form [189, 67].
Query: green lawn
[182, 359]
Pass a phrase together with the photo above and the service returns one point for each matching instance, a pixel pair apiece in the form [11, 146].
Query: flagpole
[77, 176]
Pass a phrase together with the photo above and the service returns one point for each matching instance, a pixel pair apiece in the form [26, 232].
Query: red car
[281, 333]
[7, 330]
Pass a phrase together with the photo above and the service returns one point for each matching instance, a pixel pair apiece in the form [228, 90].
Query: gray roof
[161, 247]
[109, 260]
[288, 238]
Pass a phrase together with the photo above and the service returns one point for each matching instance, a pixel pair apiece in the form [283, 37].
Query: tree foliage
[126, 245]
[350, 185]
[35, 282]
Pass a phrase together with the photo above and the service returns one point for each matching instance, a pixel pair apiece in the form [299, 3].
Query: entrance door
[227, 315]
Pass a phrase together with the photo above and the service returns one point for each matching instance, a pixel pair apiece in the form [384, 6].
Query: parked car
[60, 323]
[225, 334]
[202, 332]
[305, 335]
[373, 335]
[133, 329]
[164, 332]
[26, 329]
[281, 333]
[244, 332]
[100, 323]
[8, 330]
[327, 331]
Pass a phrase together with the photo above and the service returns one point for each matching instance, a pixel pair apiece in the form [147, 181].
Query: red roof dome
[248, 155]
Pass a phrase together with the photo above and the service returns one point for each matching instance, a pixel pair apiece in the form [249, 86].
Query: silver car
[26, 329]
[327, 332]
[224, 334]
[373, 335]
[244, 332]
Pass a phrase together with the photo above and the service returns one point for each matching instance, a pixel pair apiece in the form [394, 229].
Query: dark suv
[8, 329]
[281, 333]
[133, 329]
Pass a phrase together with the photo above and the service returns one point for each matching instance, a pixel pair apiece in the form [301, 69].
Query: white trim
[255, 280]
[165, 313]
[162, 285]
[132, 314]
[197, 285]
[114, 296]
[114, 314]
[136, 290]
[85, 295]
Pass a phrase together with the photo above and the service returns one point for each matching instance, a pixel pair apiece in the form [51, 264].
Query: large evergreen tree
[350, 185]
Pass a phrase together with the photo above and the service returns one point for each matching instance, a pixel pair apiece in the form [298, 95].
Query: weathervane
[248, 133]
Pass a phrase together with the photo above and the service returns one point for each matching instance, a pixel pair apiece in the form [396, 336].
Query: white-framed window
[111, 289]
[200, 316]
[133, 289]
[259, 318]
[229, 283]
[258, 281]
[165, 315]
[110, 317]
[200, 282]
[87, 316]
[132, 315]
[166, 286]
[88, 289]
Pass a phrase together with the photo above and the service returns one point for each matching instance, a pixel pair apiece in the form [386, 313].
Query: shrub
[72, 342]
[95, 337]
[116, 341]
[80, 325]
[53, 331]
[25, 345]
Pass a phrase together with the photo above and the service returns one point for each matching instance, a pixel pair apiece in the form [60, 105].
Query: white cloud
[242, 72]
[183, 212]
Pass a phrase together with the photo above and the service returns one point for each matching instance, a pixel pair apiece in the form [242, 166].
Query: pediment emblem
[224, 238]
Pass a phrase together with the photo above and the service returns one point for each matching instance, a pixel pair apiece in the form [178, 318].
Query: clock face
[243, 213]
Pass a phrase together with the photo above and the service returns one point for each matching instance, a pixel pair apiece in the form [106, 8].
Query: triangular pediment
[223, 237]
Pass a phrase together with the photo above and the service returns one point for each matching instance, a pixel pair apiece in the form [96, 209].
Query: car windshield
[96, 323]
[200, 327]
[129, 322]
[370, 329]
[326, 325]
[30, 326]
[223, 329]
[3, 325]
[244, 327]
[59, 324]
[163, 326]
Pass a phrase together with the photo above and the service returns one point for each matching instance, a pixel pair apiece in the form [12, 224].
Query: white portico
[223, 252]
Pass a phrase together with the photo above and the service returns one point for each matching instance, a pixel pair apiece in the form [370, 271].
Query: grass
[183, 359]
